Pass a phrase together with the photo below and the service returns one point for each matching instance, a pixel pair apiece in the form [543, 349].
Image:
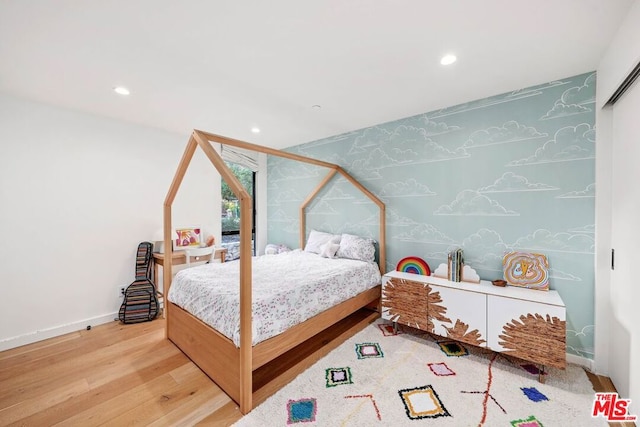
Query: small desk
[179, 258]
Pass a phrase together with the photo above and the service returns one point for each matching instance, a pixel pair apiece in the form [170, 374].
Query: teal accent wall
[512, 172]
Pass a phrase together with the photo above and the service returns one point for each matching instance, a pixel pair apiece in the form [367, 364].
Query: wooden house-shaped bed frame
[232, 368]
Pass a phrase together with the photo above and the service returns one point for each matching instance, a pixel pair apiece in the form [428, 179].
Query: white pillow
[271, 249]
[319, 238]
[354, 247]
[283, 248]
[329, 249]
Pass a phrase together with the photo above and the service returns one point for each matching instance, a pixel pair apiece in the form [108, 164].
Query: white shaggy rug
[380, 379]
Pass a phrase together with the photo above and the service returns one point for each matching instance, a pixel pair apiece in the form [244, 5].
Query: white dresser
[524, 323]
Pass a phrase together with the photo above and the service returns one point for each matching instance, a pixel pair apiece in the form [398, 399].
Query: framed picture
[526, 270]
[188, 237]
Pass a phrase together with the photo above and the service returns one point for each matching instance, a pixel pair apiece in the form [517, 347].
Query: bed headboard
[335, 169]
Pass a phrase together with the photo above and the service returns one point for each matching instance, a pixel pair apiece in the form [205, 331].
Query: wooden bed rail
[203, 140]
[260, 149]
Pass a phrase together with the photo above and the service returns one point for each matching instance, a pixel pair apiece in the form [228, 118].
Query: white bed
[288, 289]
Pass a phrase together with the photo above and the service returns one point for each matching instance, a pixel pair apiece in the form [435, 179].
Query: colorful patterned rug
[377, 378]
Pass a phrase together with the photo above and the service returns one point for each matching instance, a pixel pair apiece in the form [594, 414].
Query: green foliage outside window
[230, 224]
[244, 175]
[230, 204]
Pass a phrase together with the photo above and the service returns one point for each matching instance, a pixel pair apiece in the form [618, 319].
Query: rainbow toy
[414, 265]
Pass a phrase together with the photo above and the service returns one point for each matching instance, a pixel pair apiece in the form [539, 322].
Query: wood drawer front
[405, 301]
[527, 330]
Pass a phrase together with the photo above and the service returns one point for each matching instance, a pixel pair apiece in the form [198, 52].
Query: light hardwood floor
[117, 375]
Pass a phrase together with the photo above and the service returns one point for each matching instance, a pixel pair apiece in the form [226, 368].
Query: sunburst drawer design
[465, 316]
[449, 312]
[527, 330]
[406, 301]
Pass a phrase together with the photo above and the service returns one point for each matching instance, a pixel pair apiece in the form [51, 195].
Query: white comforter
[288, 289]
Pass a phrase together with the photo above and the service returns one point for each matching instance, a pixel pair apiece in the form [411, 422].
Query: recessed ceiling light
[255, 129]
[448, 59]
[120, 90]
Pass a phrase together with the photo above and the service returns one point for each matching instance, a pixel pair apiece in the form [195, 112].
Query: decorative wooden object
[518, 322]
[232, 368]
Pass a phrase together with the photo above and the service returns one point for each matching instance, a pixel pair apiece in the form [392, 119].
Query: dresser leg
[395, 328]
[541, 374]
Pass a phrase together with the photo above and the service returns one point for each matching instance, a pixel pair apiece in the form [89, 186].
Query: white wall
[77, 194]
[617, 333]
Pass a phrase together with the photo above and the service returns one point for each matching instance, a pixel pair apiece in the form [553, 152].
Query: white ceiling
[225, 66]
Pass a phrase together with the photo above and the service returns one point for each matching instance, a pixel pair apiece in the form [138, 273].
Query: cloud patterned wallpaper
[512, 172]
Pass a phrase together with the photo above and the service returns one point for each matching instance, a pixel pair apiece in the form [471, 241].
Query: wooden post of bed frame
[167, 272]
[246, 210]
[246, 311]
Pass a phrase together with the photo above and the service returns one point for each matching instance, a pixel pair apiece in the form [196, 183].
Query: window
[230, 211]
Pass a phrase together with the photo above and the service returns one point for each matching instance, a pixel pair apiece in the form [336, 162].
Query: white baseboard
[55, 331]
[582, 361]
